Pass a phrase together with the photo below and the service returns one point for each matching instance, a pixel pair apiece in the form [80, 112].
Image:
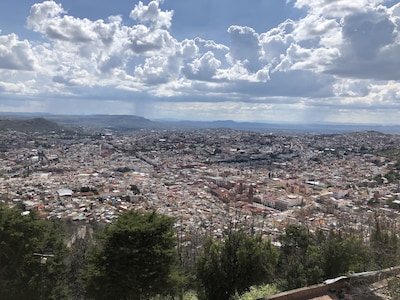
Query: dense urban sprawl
[209, 180]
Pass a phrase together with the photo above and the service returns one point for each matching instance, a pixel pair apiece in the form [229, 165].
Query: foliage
[188, 295]
[123, 169]
[300, 259]
[135, 189]
[345, 254]
[81, 243]
[258, 292]
[136, 259]
[234, 264]
[24, 275]
[86, 189]
[384, 242]
[307, 258]
[394, 288]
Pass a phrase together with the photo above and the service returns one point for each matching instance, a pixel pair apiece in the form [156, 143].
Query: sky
[297, 61]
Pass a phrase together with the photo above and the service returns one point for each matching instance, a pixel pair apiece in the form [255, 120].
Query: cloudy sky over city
[260, 60]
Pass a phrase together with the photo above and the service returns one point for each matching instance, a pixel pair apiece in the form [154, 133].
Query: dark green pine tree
[25, 273]
[300, 261]
[235, 264]
[136, 259]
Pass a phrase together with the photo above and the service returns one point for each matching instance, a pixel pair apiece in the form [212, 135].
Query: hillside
[113, 122]
[124, 123]
[29, 125]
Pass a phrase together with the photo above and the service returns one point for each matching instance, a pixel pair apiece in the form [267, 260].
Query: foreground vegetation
[140, 256]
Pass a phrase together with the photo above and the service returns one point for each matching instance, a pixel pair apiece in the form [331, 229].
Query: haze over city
[271, 61]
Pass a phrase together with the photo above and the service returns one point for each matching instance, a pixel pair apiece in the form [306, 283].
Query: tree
[384, 242]
[235, 264]
[134, 189]
[336, 258]
[358, 256]
[345, 252]
[81, 242]
[300, 261]
[136, 259]
[24, 275]
[210, 271]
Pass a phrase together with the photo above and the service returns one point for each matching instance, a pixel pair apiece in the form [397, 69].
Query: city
[199, 150]
[208, 179]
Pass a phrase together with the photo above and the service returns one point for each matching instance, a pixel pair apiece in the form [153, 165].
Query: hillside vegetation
[30, 125]
[140, 257]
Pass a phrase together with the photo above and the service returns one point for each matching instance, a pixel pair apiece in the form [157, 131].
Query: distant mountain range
[49, 122]
[319, 128]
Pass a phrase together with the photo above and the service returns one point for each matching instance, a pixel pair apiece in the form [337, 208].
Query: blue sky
[262, 60]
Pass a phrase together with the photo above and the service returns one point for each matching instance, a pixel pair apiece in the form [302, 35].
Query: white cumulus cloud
[16, 54]
[335, 54]
[151, 14]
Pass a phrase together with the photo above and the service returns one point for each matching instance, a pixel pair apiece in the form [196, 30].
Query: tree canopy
[25, 271]
[136, 258]
[233, 265]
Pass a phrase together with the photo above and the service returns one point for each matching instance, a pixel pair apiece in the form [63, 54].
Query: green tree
[335, 256]
[314, 265]
[300, 261]
[134, 189]
[81, 243]
[344, 253]
[136, 259]
[358, 255]
[235, 264]
[384, 242]
[210, 270]
[24, 275]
